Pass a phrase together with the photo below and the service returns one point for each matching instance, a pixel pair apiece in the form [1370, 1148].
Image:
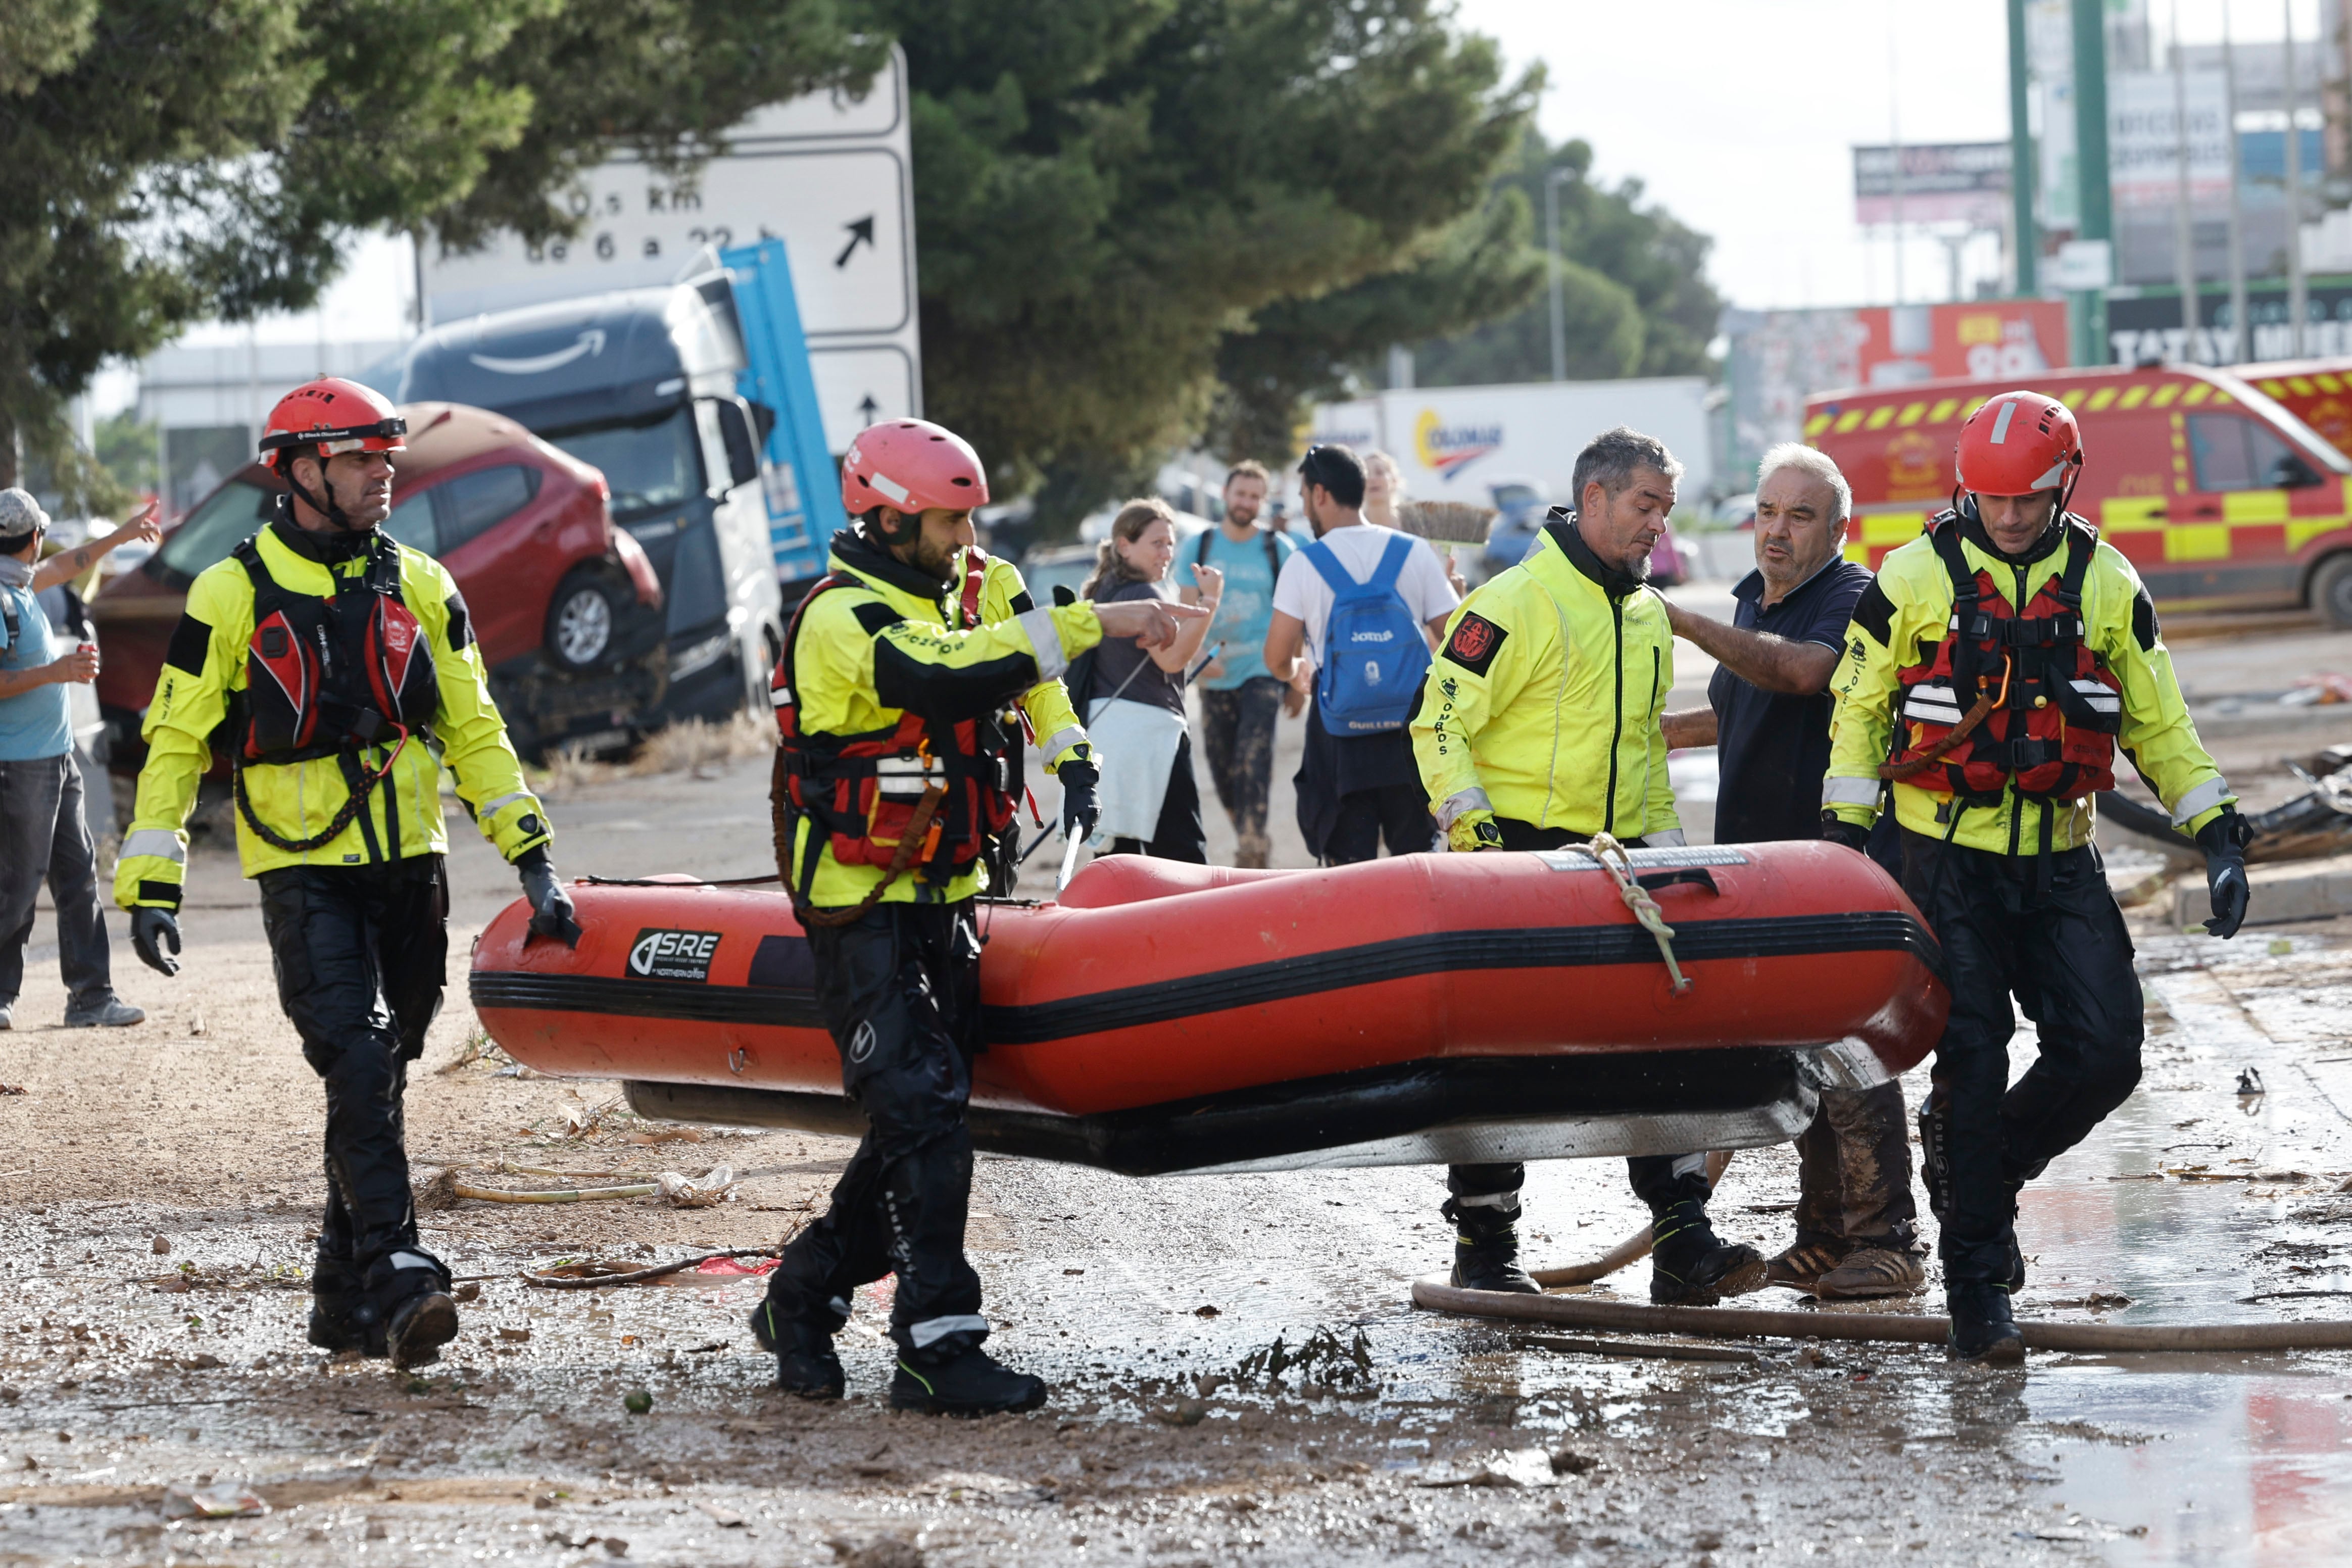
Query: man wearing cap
[1991, 672]
[43, 834]
[345, 651]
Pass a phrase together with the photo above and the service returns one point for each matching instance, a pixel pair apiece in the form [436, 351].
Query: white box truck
[1453, 442]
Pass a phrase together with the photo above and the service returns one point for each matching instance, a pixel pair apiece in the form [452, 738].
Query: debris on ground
[1497, 1467]
[223, 1499]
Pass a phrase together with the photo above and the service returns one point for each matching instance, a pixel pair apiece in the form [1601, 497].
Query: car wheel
[581, 621]
[2331, 591]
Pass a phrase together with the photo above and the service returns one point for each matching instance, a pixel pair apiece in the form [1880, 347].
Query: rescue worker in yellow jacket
[894, 791]
[1991, 672]
[1538, 729]
[336, 654]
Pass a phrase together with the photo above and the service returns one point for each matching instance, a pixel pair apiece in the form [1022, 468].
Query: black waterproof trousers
[899, 990]
[2062, 948]
[360, 952]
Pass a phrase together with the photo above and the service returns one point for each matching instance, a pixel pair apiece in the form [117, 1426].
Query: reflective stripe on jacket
[206, 669]
[1051, 720]
[868, 654]
[1910, 603]
[1543, 703]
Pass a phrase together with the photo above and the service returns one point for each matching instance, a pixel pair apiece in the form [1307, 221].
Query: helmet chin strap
[328, 509]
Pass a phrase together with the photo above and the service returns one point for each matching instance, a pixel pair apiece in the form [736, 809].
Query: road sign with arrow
[830, 178]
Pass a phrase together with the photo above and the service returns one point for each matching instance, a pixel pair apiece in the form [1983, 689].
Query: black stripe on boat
[1255, 985]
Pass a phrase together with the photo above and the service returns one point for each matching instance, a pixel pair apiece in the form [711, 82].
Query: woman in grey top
[1134, 563]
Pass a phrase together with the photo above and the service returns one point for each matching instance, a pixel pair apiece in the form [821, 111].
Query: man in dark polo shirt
[1768, 716]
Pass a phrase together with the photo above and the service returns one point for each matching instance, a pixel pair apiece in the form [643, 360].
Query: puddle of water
[2239, 1467]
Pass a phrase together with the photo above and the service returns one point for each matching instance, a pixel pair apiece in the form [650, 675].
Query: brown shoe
[1801, 1267]
[1870, 1271]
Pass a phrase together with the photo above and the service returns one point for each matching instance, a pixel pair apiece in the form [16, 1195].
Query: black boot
[334, 1303]
[805, 1363]
[405, 1307]
[965, 1382]
[1486, 1248]
[1982, 1330]
[1690, 1266]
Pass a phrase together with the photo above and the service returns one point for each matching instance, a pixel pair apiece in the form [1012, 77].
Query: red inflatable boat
[1166, 1018]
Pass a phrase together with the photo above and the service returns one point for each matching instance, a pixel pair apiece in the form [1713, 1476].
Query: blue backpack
[1373, 651]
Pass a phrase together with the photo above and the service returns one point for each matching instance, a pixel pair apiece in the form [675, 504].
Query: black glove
[1837, 830]
[2224, 841]
[551, 906]
[151, 931]
[1079, 808]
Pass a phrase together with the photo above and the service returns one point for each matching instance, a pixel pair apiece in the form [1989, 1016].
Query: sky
[1739, 116]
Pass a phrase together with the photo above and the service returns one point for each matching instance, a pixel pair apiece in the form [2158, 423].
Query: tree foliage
[1109, 191]
[166, 161]
[1634, 294]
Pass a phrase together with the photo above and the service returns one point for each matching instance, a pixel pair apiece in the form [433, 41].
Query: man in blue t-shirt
[42, 831]
[1238, 699]
[1768, 716]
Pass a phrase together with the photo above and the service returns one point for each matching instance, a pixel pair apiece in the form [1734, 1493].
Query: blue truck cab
[645, 385]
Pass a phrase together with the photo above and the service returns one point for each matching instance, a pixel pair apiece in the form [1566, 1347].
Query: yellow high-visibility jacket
[1910, 604]
[867, 655]
[403, 818]
[1052, 717]
[1543, 703]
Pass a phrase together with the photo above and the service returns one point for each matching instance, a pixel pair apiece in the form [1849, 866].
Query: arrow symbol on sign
[861, 231]
[868, 408]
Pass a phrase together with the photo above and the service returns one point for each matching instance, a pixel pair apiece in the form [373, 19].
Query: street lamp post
[1552, 180]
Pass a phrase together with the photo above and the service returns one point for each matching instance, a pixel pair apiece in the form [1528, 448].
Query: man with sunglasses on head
[337, 653]
[1991, 672]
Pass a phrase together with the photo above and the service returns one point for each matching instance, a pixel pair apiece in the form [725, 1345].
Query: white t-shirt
[1301, 591]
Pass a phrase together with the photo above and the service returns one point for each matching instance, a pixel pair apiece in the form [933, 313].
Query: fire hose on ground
[1435, 1294]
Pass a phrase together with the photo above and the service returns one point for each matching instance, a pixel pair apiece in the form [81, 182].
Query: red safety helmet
[335, 416]
[912, 464]
[2018, 444]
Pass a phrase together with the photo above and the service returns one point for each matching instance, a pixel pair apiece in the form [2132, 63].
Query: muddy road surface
[159, 1189]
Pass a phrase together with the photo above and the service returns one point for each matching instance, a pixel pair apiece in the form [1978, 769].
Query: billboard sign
[2144, 137]
[1953, 182]
[1779, 358]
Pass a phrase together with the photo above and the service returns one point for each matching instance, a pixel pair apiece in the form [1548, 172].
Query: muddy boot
[1871, 1269]
[1487, 1248]
[1690, 1266]
[1801, 1267]
[406, 1302]
[805, 1363]
[1982, 1330]
[1252, 850]
[335, 1298]
[966, 1382]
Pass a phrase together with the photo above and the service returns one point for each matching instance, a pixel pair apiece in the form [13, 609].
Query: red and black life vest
[861, 790]
[338, 673]
[331, 675]
[2055, 707]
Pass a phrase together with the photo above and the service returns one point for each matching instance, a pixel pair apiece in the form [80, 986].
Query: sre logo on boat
[673, 954]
